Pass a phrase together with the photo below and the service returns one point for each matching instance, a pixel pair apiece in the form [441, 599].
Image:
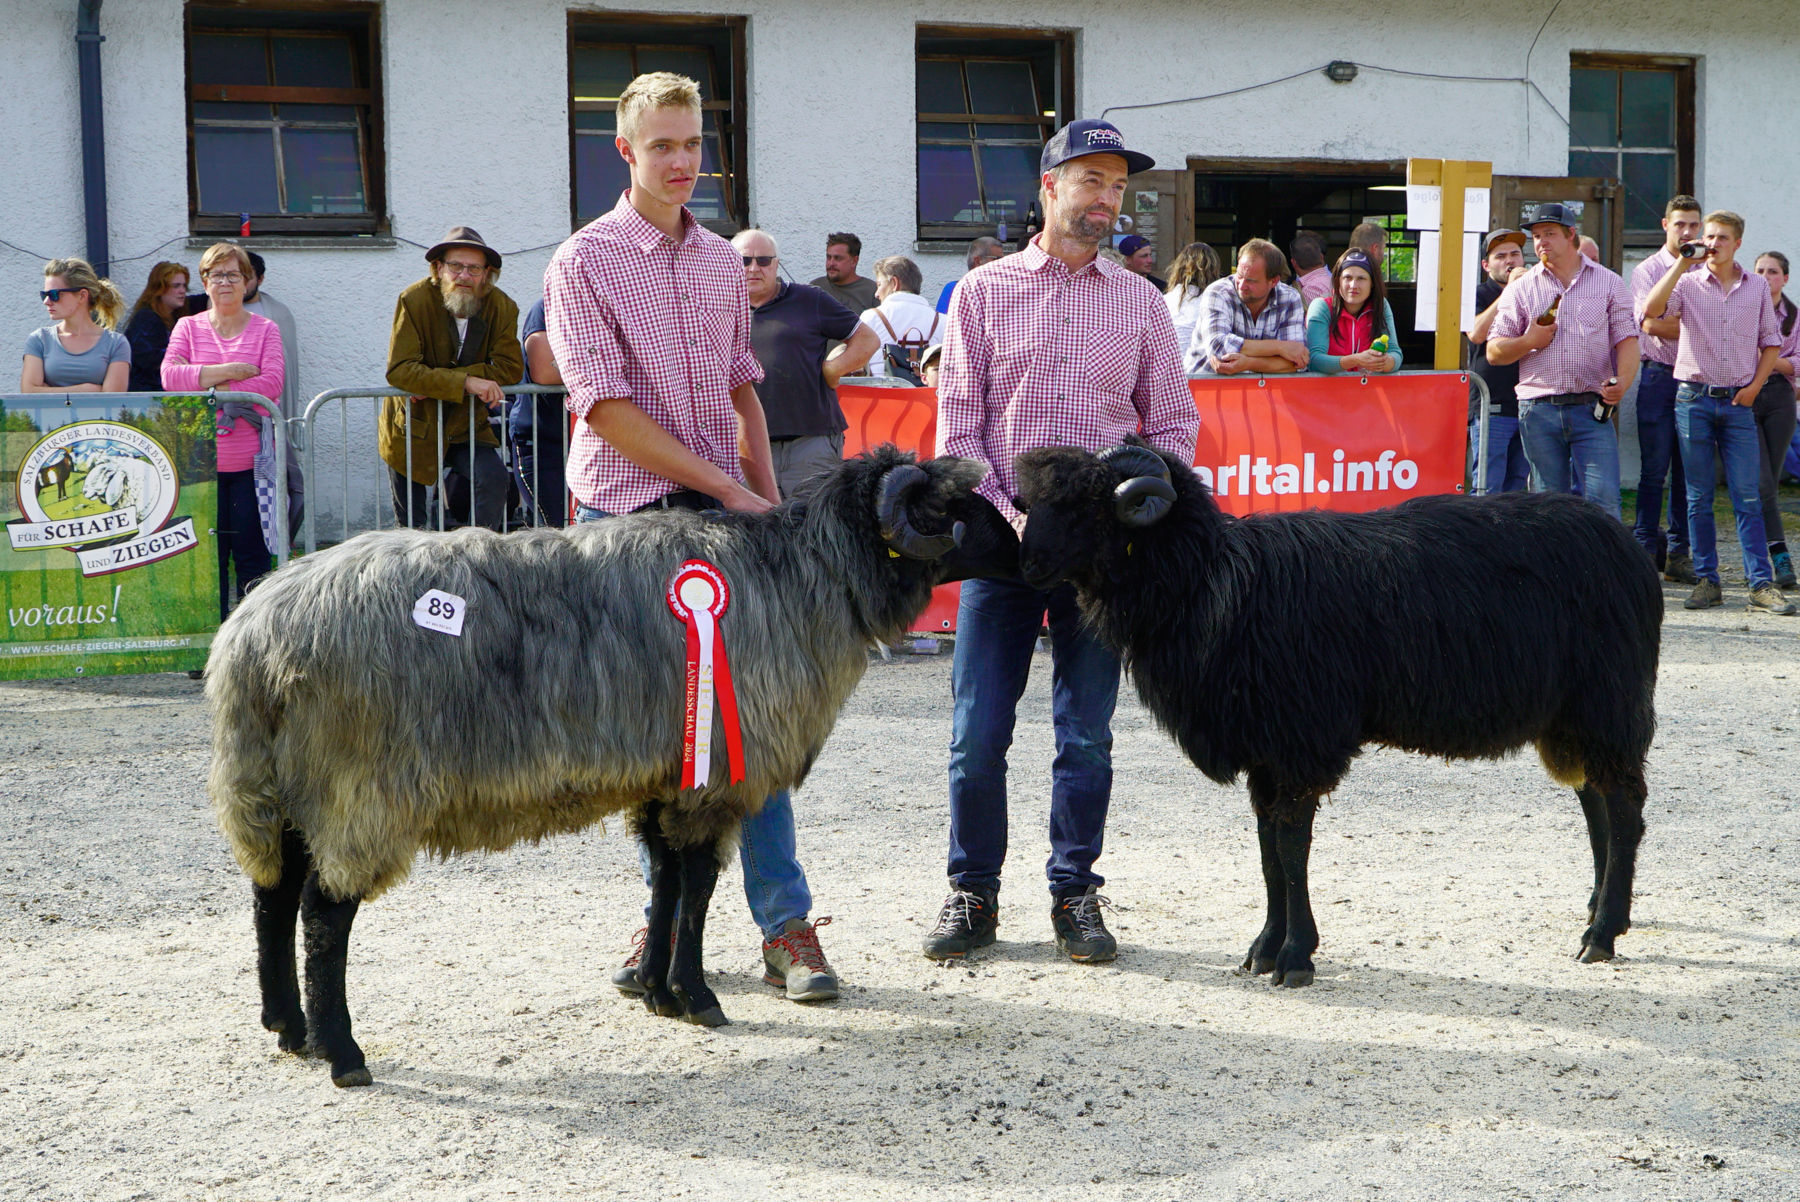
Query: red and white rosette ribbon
[698, 595]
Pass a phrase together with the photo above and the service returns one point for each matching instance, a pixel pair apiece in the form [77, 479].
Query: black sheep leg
[1293, 840]
[327, 921]
[1625, 829]
[687, 976]
[665, 894]
[1274, 933]
[276, 908]
[1593, 807]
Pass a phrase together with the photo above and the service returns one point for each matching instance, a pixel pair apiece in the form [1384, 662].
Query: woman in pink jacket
[229, 348]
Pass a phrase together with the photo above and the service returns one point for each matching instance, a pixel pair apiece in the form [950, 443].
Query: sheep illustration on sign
[102, 490]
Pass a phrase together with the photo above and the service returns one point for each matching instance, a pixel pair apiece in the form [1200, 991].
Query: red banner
[1266, 443]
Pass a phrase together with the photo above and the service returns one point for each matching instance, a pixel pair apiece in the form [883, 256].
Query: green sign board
[109, 564]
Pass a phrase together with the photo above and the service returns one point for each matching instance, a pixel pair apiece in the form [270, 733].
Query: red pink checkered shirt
[634, 314]
[1595, 316]
[1723, 330]
[1036, 355]
[1644, 278]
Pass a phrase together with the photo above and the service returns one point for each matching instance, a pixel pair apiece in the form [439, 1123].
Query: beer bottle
[1548, 316]
[1603, 408]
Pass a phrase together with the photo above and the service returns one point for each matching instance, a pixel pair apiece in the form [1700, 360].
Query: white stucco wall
[831, 125]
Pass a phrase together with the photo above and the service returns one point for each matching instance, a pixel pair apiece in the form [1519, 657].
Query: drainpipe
[93, 134]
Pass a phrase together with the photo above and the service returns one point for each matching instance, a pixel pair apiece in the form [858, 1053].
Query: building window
[1631, 118]
[986, 106]
[605, 56]
[284, 120]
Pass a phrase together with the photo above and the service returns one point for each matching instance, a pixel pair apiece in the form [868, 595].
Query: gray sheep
[347, 738]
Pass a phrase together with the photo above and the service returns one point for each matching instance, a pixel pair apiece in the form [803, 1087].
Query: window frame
[358, 19]
[1683, 70]
[588, 28]
[1062, 92]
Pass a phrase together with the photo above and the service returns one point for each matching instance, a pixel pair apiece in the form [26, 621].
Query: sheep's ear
[1143, 501]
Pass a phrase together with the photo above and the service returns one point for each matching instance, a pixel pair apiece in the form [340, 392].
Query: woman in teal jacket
[1342, 332]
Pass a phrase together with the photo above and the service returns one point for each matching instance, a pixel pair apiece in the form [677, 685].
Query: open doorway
[1239, 199]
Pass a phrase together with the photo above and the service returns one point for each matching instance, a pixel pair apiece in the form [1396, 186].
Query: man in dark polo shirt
[792, 328]
[1505, 469]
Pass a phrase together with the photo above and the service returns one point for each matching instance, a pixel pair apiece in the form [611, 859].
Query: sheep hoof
[712, 1016]
[290, 1033]
[662, 1003]
[1294, 978]
[1256, 966]
[1593, 953]
[353, 1079]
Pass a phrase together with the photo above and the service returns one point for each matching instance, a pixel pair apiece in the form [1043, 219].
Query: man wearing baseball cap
[455, 342]
[1504, 469]
[1049, 346]
[1140, 256]
[1568, 324]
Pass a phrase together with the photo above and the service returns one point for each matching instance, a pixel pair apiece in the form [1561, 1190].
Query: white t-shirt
[912, 316]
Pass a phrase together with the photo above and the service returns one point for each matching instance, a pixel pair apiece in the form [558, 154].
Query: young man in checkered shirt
[649, 320]
[1051, 346]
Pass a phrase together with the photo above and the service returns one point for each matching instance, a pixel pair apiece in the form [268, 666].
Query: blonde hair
[1726, 217]
[657, 90]
[220, 250]
[105, 303]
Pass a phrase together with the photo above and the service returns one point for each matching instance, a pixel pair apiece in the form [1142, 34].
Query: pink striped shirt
[1723, 330]
[194, 344]
[1036, 355]
[1643, 282]
[633, 314]
[1595, 317]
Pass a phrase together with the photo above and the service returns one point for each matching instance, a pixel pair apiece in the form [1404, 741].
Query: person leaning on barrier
[649, 321]
[1775, 414]
[229, 348]
[1505, 469]
[79, 351]
[163, 300]
[1568, 324]
[806, 342]
[1341, 332]
[1729, 344]
[1052, 345]
[454, 343]
[1250, 321]
[982, 250]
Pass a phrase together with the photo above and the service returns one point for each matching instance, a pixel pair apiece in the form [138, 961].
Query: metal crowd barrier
[45, 406]
[437, 516]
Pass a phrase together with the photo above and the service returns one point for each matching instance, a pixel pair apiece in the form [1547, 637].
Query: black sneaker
[969, 920]
[1081, 933]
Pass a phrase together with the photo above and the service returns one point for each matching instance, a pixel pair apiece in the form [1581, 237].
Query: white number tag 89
[440, 611]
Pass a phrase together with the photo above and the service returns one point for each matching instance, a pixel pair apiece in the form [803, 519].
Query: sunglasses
[759, 260]
[55, 294]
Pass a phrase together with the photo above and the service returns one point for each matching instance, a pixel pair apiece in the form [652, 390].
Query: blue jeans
[774, 883]
[1506, 469]
[997, 626]
[1565, 440]
[1706, 424]
[1659, 457]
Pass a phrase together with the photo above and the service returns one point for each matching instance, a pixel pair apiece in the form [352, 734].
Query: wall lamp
[1340, 71]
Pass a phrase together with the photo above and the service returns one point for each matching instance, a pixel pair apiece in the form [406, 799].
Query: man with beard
[1250, 321]
[454, 343]
[1050, 346]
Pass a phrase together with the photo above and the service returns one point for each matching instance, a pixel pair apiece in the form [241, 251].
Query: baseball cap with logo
[1090, 136]
[1553, 211]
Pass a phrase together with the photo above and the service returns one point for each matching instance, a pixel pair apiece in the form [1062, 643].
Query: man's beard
[1080, 228]
[461, 304]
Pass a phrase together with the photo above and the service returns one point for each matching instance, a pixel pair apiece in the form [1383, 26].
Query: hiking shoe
[1081, 933]
[1706, 594]
[795, 960]
[969, 920]
[1767, 599]
[625, 977]
[1679, 569]
[1784, 569]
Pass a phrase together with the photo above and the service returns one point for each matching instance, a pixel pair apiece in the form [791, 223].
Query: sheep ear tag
[698, 596]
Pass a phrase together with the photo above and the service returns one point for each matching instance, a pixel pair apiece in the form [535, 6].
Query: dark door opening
[1236, 200]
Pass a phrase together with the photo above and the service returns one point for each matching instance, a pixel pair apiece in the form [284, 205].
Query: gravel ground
[1452, 1047]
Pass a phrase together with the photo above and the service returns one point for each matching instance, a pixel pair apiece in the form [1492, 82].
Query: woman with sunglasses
[80, 352]
[1341, 332]
[153, 317]
[232, 349]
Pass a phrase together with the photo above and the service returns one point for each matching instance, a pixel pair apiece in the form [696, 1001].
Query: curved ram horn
[1143, 501]
[896, 524]
[1135, 461]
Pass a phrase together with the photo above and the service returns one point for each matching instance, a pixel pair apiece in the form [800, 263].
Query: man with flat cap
[454, 343]
[1052, 346]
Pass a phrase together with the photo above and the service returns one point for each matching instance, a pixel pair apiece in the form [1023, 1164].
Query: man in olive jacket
[455, 342]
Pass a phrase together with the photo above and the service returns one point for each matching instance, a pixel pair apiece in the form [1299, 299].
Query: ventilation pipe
[93, 135]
